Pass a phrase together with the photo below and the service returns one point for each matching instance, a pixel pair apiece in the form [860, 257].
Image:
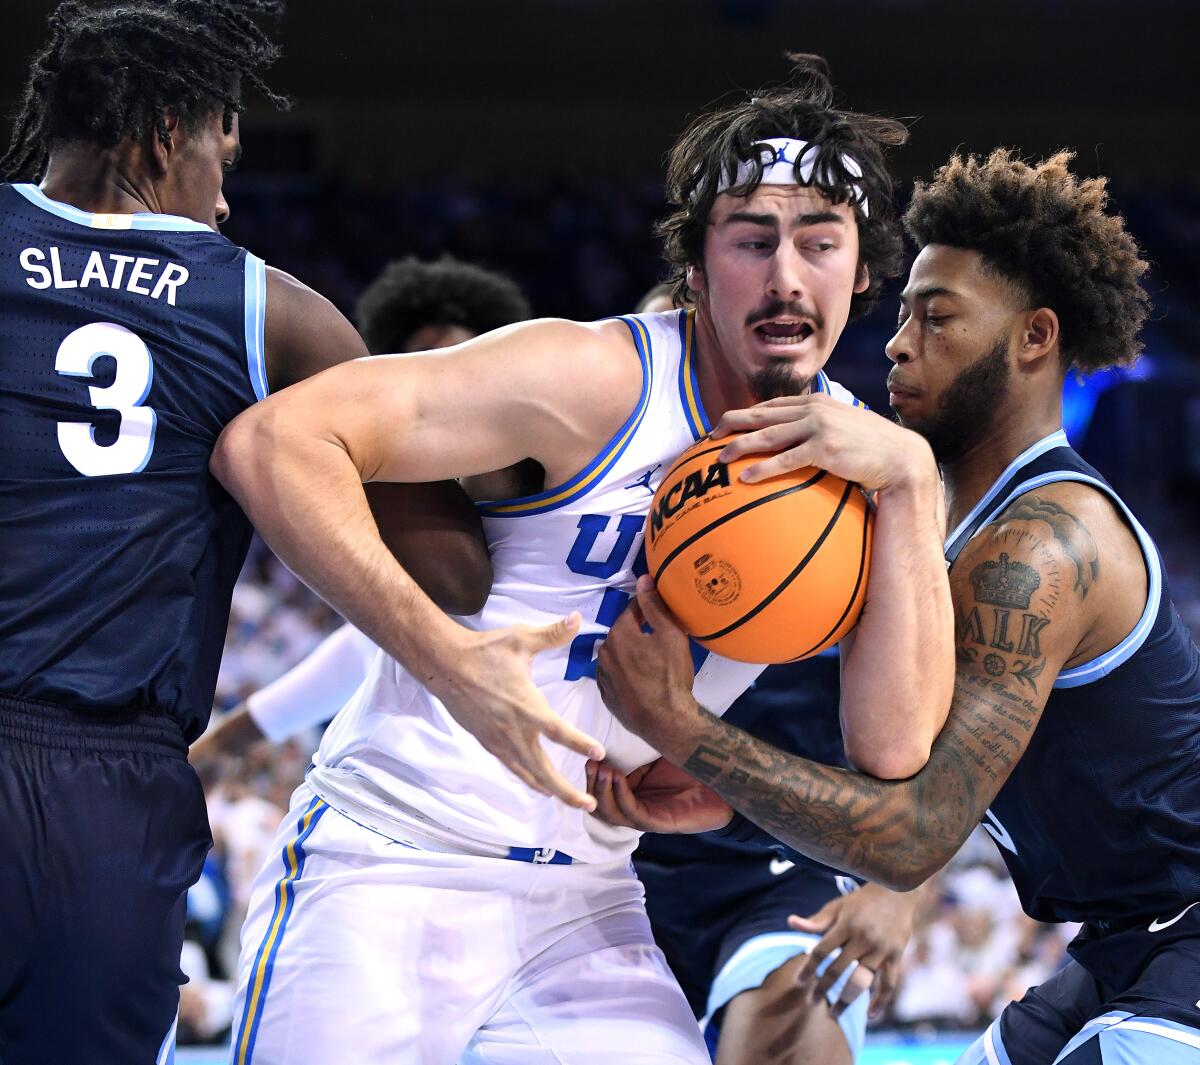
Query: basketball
[769, 572]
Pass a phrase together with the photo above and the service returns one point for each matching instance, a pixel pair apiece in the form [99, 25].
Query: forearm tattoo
[1010, 601]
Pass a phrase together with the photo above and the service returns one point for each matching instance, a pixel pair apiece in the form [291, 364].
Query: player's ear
[161, 139]
[1040, 336]
[862, 280]
[695, 277]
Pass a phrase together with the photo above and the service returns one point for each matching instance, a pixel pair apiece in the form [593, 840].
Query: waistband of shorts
[42, 724]
[415, 839]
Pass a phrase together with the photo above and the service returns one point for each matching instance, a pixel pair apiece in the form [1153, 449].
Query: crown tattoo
[1005, 583]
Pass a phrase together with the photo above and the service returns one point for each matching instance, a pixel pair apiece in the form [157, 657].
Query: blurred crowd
[585, 247]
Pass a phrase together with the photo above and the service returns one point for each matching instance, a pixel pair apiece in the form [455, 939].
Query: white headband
[784, 160]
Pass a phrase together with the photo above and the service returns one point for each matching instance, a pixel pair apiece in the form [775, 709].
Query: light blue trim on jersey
[1092, 1029]
[164, 223]
[1104, 664]
[166, 1052]
[689, 384]
[256, 324]
[1047, 443]
[1126, 1039]
[761, 955]
[988, 1049]
[593, 473]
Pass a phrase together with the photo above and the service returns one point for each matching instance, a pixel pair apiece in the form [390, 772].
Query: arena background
[528, 137]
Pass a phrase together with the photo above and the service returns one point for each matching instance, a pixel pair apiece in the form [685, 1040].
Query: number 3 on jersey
[581, 660]
[130, 452]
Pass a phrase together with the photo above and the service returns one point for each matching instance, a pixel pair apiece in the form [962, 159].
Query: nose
[222, 209]
[787, 278]
[900, 348]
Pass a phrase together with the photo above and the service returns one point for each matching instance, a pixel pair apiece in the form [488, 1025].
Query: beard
[778, 378]
[965, 411]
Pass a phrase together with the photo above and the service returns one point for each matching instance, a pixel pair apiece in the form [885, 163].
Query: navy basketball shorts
[1145, 1010]
[104, 831]
[722, 924]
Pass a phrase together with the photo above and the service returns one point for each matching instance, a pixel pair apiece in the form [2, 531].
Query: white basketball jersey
[397, 761]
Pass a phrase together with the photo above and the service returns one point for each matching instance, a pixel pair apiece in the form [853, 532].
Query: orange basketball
[767, 572]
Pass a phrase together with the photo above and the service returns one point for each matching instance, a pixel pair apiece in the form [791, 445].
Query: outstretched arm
[1020, 615]
[297, 462]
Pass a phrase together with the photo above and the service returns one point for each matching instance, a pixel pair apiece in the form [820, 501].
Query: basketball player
[411, 306]
[443, 891]
[1076, 716]
[719, 908]
[131, 333]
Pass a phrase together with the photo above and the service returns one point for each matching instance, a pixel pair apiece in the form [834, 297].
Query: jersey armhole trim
[256, 321]
[1104, 664]
[1058, 438]
[689, 385]
[594, 471]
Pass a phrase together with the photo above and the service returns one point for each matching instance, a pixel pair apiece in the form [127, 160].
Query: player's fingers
[816, 922]
[628, 803]
[654, 609]
[830, 942]
[768, 439]
[772, 412]
[556, 784]
[556, 634]
[794, 458]
[884, 989]
[861, 979]
[558, 730]
[832, 973]
[606, 803]
[512, 760]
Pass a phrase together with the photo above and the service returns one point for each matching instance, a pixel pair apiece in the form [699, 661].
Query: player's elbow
[244, 441]
[896, 761]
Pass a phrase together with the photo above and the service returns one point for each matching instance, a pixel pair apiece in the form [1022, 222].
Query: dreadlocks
[112, 72]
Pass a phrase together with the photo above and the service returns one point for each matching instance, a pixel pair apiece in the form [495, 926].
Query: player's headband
[791, 162]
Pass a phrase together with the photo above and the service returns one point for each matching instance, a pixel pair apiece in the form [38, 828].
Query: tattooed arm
[1020, 616]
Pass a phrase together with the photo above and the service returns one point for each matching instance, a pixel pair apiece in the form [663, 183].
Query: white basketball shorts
[358, 948]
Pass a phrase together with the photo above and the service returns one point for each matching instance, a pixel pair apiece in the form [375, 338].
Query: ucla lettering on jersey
[128, 343]
[395, 760]
[1097, 823]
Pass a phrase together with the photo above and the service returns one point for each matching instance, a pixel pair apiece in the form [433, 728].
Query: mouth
[780, 332]
[898, 391]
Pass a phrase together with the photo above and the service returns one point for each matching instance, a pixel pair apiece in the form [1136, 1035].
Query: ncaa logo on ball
[694, 486]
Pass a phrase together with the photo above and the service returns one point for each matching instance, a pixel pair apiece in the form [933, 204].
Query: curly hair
[715, 144]
[1046, 230]
[410, 294]
[112, 72]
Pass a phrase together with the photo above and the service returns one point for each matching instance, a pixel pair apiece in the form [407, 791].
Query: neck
[969, 476]
[98, 182]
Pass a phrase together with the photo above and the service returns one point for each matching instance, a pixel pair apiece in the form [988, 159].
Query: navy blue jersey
[127, 342]
[1100, 820]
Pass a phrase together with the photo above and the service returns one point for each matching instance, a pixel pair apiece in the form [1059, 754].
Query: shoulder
[1077, 521]
[593, 357]
[1039, 558]
[304, 332]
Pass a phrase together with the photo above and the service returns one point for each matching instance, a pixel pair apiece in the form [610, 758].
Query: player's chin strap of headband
[790, 162]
